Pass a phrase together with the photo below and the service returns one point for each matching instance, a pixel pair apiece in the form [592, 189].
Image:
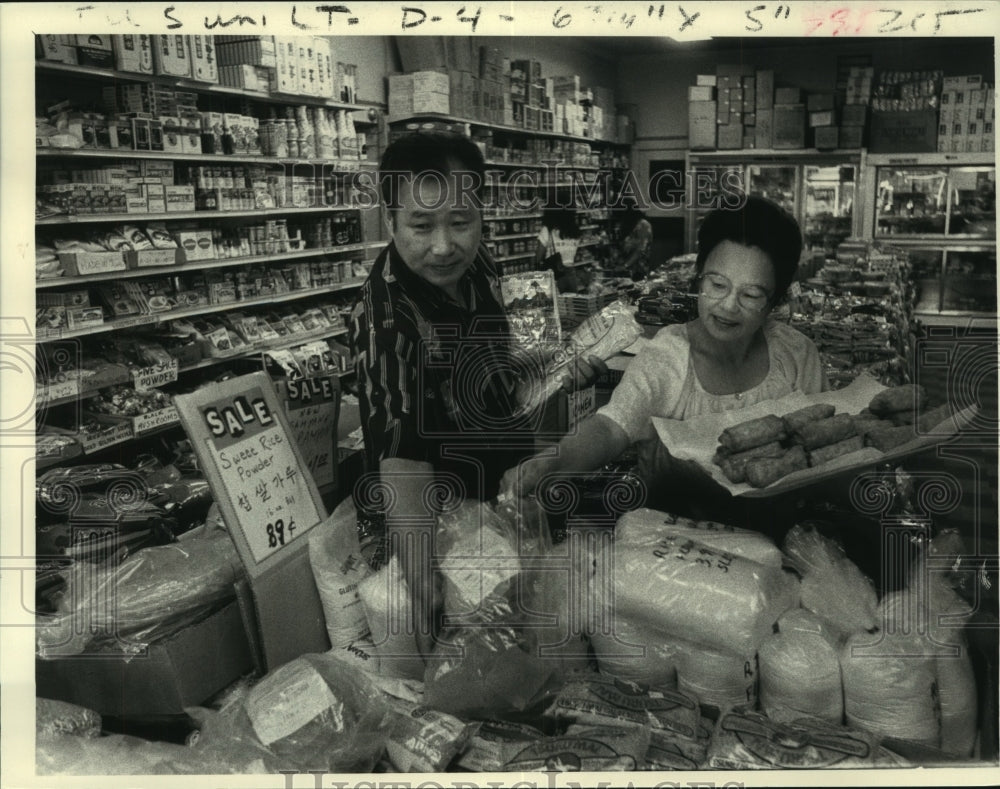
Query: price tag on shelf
[155, 375]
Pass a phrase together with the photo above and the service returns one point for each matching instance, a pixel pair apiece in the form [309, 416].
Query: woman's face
[748, 274]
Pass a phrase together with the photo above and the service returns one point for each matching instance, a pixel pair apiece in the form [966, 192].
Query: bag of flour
[337, 565]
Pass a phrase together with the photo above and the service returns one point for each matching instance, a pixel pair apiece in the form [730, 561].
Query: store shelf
[542, 166]
[506, 217]
[982, 320]
[201, 265]
[510, 237]
[437, 116]
[520, 256]
[201, 87]
[932, 159]
[149, 320]
[212, 362]
[84, 219]
[340, 165]
[780, 155]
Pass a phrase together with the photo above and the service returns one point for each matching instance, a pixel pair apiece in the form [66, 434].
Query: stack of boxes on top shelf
[965, 123]
[296, 65]
[445, 76]
[905, 111]
[739, 107]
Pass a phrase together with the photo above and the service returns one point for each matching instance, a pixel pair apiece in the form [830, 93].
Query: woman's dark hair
[447, 154]
[759, 223]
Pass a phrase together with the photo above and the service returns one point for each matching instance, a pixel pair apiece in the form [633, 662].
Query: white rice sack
[337, 565]
[637, 653]
[801, 620]
[710, 597]
[956, 682]
[945, 616]
[889, 680]
[719, 680]
[809, 551]
[642, 525]
[842, 596]
[385, 596]
[800, 675]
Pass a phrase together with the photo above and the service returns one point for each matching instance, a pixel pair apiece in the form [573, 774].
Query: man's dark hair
[759, 223]
[437, 152]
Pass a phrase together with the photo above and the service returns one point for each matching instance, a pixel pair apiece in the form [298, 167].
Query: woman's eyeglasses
[716, 287]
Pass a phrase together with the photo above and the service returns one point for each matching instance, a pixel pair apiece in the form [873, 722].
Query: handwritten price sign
[254, 466]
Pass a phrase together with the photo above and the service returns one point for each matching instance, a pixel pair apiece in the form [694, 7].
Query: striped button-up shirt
[436, 380]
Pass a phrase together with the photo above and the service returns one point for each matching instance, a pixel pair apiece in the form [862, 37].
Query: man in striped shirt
[436, 375]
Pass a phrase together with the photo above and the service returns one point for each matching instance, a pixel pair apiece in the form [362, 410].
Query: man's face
[437, 230]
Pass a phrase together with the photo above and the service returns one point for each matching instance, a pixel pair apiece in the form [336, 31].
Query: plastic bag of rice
[636, 653]
[711, 597]
[585, 748]
[799, 676]
[645, 525]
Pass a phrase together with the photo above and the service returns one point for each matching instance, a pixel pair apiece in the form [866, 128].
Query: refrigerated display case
[942, 209]
[819, 189]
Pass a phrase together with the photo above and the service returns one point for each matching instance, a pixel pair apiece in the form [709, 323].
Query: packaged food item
[809, 550]
[136, 237]
[644, 526]
[889, 678]
[800, 676]
[671, 751]
[159, 236]
[423, 740]
[385, 597]
[601, 748]
[636, 653]
[747, 740]
[495, 743]
[718, 680]
[610, 331]
[707, 596]
[601, 700]
[317, 712]
[338, 569]
[842, 596]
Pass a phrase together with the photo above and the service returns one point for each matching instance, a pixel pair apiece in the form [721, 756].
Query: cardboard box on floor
[276, 614]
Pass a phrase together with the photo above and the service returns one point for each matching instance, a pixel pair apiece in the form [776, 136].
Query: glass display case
[829, 205]
[818, 189]
[942, 209]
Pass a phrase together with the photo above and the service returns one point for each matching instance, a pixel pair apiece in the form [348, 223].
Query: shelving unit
[59, 79]
[794, 179]
[940, 207]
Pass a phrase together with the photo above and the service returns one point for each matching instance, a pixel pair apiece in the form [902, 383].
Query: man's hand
[582, 373]
[522, 480]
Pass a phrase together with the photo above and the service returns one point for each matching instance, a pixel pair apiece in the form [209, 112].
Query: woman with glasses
[730, 357]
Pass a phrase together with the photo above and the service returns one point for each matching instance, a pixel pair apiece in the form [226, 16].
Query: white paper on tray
[697, 439]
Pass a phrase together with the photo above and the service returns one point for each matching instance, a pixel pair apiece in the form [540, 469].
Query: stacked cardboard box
[702, 111]
[764, 109]
[904, 112]
[789, 124]
[735, 100]
[822, 120]
[965, 123]
[859, 85]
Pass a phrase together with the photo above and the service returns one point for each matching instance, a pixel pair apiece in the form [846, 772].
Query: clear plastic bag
[56, 718]
[317, 712]
[487, 663]
[710, 597]
[842, 596]
[150, 595]
[809, 551]
[800, 675]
